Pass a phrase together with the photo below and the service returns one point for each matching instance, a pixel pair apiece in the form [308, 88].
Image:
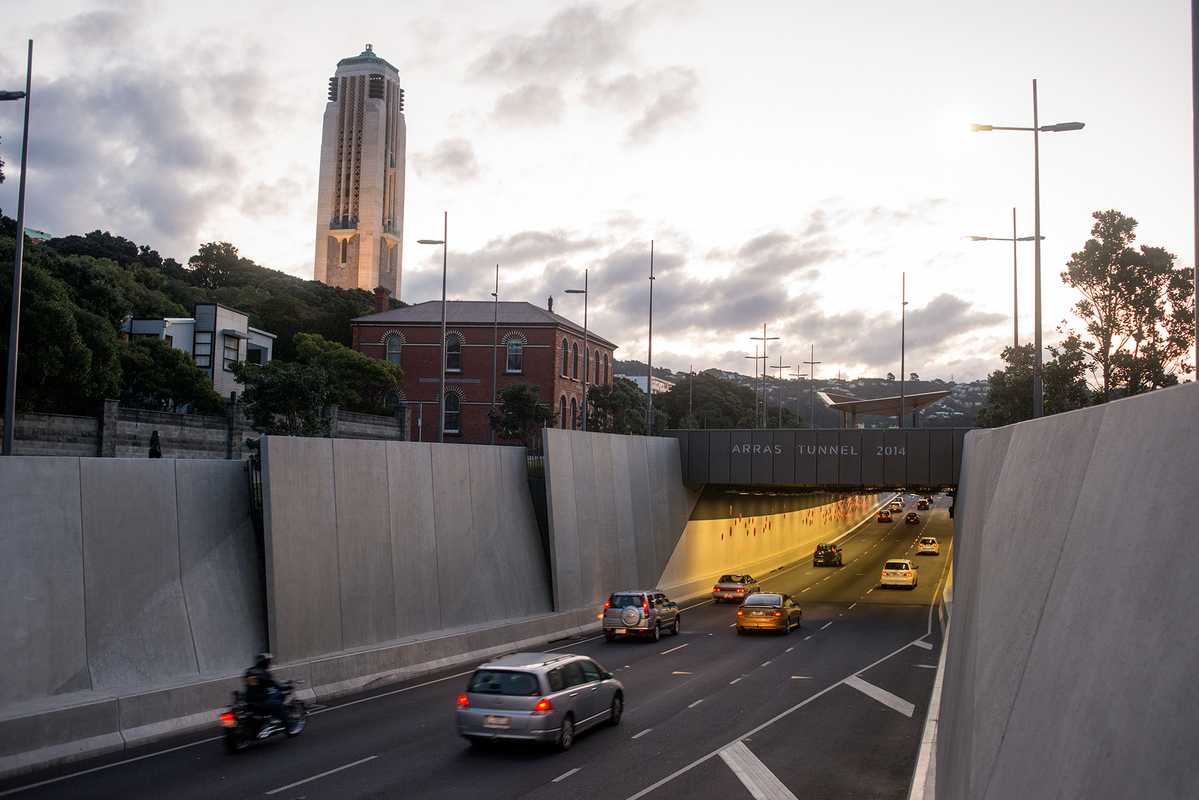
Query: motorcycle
[244, 725]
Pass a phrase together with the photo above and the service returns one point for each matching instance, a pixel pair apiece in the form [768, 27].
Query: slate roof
[478, 312]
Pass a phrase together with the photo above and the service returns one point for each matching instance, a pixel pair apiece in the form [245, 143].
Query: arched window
[562, 411]
[597, 371]
[605, 369]
[516, 356]
[394, 346]
[453, 412]
[574, 414]
[345, 247]
[565, 359]
[574, 371]
[453, 353]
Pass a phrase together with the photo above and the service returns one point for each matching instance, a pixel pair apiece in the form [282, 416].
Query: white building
[215, 337]
[360, 196]
[659, 384]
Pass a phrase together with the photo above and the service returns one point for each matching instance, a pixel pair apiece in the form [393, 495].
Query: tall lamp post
[1038, 398]
[14, 322]
[764, 339]
[495, 344]
[797, 375]
[903, 313]
[756, 359]
[780, 367]
[649, 351]
[445, 237]
[1015, 272]
[583, 292]
[812, 362]
[1195, 160]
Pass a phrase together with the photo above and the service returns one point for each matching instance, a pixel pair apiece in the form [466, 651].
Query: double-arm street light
[583, 292]
[1038, 398]
[1015, 273]
[903, 316]
[764, 339]
[445, 237]
[649, 351]
[780, 367]
[14, 322]
[812, 362]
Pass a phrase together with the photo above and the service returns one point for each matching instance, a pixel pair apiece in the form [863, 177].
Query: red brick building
[530, 345]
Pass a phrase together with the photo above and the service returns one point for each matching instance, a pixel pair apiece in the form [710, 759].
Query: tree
[913, 377]
[1009, 390]
[356, 382]
[217, 264]
[156, 376]
[618, 408]
[1136, 307]
[890, 376]
[714, 402]
[285, 398]
[522, 415]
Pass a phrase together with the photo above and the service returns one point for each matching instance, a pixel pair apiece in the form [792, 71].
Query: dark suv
[827, 555]
[648, 614]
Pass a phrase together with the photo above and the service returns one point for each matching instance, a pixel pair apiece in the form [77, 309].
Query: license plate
[620, 631]
[758, 613]
[494, 721]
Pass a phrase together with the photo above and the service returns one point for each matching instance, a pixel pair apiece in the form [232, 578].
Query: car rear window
[764, 600]
[507, 682]
[626, 600]
[895, 565]
[729, 579]
[820, 548]
[927, 540]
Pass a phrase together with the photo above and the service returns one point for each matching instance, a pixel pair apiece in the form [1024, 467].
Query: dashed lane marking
[697, 702]
[925, 666]
[825, 625]
[766, 663]
[851, 605]
[680, 672]
[801, 677]
[565, 775]
[734, 681]
[806, 638]
[789, 649]
[801, 591]
[880, 694]
[647, 730]
[923, 644]
[680, 647]
[322, 774]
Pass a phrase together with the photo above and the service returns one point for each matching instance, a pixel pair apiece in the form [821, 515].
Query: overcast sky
[790, 159]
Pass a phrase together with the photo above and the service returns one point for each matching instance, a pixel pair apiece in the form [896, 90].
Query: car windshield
[494, 681]
[730, 579]
[896, 565]
[625, 600]
[764, 600]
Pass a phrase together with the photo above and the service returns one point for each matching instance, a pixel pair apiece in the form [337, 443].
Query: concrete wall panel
[492, 566]
[41, 568]
[137, 624]
[413, 537]
[588, 511]
[455, 546]
[527, 558]
[563, 520]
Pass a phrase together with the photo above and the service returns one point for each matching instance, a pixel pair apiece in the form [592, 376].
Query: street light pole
[812, 362]
[903, 313]
[756, 359]
[797, 375]
[444, 242]
[495, 343]
[586, 365]
[780, 367]
[14, 323]
[1195, 161]
[765, 365]
[1014, 239]
[649, 354]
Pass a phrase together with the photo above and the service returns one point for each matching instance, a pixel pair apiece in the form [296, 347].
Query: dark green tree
[156, 376]
[521, 415]
[1137, 308]
[1009, 390]
[715, 402]
[618, 408]
[217, 265]
[356, 382]
[285, 398]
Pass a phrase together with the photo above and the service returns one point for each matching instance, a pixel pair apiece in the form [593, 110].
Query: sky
[791, 161]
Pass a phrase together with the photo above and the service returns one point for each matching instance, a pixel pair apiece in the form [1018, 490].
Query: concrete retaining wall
[122, 573]
[369, 542]
[1070, 672]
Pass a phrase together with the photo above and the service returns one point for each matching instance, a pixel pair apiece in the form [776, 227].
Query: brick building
[531, 345]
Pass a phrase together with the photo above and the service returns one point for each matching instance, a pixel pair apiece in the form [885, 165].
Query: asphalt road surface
[834, 709]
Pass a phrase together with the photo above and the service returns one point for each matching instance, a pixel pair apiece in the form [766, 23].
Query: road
[835, 709]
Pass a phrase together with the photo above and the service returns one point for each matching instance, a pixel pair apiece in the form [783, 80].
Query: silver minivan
[538, 697]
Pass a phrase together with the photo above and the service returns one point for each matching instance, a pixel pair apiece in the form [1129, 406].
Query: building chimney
[549, 304]
[382, 300]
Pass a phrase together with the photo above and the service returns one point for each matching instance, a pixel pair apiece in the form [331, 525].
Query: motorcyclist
[263, 693]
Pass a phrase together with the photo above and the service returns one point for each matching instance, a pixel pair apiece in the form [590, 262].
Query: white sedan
[927, 545]
[899, 572]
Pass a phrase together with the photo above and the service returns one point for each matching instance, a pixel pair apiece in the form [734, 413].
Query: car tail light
[740, 589]
[227, 719]
[907, 574]
[716, 588]
[544, 704]
[776, 613]
[645, 607]
[740, 613]
[607, 604]
[463, 701]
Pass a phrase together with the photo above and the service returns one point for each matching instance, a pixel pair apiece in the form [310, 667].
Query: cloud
[657, 98]
[452, 159]
[574, 41]
[531, 104]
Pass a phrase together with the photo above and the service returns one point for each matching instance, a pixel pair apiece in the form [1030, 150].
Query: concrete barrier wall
[370, 542]
[123, 573]
[1071, 646]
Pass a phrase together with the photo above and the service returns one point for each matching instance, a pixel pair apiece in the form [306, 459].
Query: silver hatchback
[538, 697]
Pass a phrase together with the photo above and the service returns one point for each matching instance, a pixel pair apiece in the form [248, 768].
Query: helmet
[263, 660]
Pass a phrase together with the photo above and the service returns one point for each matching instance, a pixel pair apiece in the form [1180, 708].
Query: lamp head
[976, 127]
[430, 241]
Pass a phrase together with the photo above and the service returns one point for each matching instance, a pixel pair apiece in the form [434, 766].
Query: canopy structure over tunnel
[850, 406]
[915, 458]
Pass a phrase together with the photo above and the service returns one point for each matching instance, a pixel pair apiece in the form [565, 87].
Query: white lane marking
[880, 694]
[924, 644]
[697, 702]
[322, 774]
[647, 730]
[825, 625]
[766, 663]
[806, 638]
[680, 672]
[801, 591]
[734, 681]
[756, 777]
[565, 775]
[671, 650]
[733, 625]
[925, 666]
[789, 649]
[851, 605]
[868, 591]
[801, 677]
